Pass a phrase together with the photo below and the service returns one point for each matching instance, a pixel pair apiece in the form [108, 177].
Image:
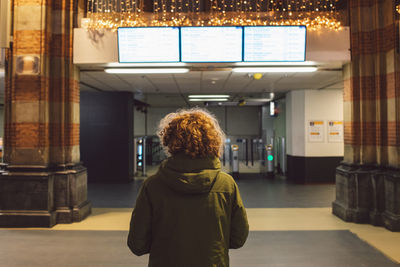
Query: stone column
[368, 180]
[43, 182]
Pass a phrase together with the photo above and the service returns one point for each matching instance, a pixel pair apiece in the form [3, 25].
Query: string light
[315, 14]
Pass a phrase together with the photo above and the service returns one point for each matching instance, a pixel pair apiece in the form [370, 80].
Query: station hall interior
[313, 144]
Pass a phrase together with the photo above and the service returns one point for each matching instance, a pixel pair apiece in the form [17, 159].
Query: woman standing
[190, 213]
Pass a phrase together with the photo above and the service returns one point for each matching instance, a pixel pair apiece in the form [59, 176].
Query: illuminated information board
[148, 44]
[274, 43]
[211, 44]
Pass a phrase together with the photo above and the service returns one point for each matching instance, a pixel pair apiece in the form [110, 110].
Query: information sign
[148, 44]
[335, 131]
[316, 131]
[274, 43]
[211, 44]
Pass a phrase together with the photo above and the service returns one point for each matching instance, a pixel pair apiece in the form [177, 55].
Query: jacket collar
[183, 163]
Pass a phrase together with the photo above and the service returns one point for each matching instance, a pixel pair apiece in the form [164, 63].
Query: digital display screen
[148, 44]
[211, 44]
[274, 43]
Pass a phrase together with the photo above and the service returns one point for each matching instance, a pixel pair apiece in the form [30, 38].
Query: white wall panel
[305, 105]
[295, 123]
[324, 105]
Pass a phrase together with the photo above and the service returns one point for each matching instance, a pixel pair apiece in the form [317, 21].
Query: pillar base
[375, 218]
[26, 198]
[368, 194]
[39, 196]
[76, 214]
[70, 188]
[27, 218]
[391, 221]
[348, 214]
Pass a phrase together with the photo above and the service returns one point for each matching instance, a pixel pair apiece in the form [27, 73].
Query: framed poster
[316, 131]
[335, 131]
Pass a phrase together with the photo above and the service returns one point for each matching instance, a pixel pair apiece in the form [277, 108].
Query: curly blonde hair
[194, 132]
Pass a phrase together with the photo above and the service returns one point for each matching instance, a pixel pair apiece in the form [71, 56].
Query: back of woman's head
[194, 132]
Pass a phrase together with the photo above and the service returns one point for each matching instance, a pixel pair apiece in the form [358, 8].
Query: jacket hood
[191, 176]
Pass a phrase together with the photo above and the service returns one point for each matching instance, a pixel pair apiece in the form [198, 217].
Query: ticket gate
[140, 156]
[257, 151]
[283, 163]
[244, 156]
[270, 162]
[243, 144]
[235, 161]
[227, 154]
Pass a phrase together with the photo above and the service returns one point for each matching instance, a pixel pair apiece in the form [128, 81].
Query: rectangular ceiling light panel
[207, 99]
[275, 69]
[144, 71]
[208, 96]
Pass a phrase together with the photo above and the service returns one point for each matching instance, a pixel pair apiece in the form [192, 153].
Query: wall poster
[335, 131]
[316, 131]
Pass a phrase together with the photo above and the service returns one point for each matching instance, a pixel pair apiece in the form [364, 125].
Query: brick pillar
[368, 180]
[43, 182]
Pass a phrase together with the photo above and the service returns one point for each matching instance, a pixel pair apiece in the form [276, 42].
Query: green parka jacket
[188, 215]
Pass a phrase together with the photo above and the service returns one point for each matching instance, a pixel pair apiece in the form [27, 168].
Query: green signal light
[270, 157]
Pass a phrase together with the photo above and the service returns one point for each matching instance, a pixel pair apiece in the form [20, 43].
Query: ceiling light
[302, 63]
[149, 70]
[207, 99]
[275, 69]
[208, 96]
[122, 65]
[257, 76]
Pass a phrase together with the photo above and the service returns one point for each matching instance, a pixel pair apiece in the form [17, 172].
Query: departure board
[211, 44]
[274, 43]
[148, 44]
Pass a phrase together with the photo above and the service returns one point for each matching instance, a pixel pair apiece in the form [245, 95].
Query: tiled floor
[263, 248]
[291, 225]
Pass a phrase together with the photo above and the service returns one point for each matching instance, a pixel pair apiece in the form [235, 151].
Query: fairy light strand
[315, 14]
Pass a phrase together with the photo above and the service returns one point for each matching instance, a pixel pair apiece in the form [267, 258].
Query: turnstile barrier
[235, 161]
